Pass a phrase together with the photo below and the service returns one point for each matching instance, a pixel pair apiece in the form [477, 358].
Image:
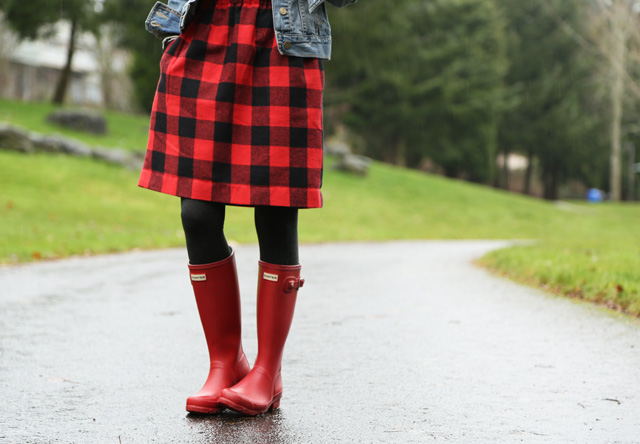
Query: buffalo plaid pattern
[233, 120]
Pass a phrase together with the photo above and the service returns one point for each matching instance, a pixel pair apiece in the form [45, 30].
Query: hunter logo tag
[270, 277]
[198, 277]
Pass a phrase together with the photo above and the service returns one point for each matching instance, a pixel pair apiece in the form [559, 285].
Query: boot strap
[293, 284]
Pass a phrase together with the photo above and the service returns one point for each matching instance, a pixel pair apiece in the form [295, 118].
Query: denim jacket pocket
[163, 21]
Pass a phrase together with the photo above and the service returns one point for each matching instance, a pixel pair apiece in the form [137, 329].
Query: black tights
[203, 223]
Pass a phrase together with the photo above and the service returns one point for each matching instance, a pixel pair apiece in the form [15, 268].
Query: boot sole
[275, 403]
[201, 409]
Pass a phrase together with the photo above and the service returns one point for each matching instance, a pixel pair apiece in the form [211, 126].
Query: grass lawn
[597, 259]
[54, 206]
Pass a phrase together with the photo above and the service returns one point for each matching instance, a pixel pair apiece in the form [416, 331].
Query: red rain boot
[261, 389]
[218, 298]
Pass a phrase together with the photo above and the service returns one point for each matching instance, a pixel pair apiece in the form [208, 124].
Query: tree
[8, 41]
[28, 18]
[551, 82]
[611, 34]
[615, 36]
[422, 80]
[125, 15]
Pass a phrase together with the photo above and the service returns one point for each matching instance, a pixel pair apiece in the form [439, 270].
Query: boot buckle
[293, 284]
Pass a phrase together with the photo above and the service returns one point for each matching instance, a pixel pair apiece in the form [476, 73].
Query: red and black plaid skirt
[233, 120]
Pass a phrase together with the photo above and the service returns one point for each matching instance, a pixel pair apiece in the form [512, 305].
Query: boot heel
[276, 402]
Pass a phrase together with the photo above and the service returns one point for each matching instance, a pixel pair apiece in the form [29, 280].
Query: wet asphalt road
[402, 342]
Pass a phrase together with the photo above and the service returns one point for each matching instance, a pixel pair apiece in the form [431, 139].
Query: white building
[30, 69]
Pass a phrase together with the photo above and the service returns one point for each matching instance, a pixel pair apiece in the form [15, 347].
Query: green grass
[396, 203]
[54, 206]
[596, 259]
[127, 131]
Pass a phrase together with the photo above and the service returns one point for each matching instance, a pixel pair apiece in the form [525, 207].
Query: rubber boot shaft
[261, 389]
[217, 296]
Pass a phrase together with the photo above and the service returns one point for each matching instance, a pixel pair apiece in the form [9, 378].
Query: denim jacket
[301, 26]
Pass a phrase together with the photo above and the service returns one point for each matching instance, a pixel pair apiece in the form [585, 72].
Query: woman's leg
[214, 279]
[203, 224]
[277, 229]
[278, 284]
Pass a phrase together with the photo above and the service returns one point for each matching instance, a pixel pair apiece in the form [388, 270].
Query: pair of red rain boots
[231, 384]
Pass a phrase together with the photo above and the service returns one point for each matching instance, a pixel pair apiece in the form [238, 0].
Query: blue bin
[594, 195]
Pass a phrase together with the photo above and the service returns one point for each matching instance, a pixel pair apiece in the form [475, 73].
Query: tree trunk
[501, 175]
[106, 71]
[550, 181]
[496, 175]
[546, 185]
[528, 173]
[505, 169]
[631, 184]
[65, 75]
[617, 96]
[401, 152]
[106, 53]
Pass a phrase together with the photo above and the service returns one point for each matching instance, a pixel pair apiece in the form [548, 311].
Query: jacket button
[287, 45]
[283, 11]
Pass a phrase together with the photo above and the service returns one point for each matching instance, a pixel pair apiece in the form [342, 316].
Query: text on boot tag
[270, 277]
[198, 277]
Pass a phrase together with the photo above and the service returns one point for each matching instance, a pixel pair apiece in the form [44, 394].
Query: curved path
[401, 342]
